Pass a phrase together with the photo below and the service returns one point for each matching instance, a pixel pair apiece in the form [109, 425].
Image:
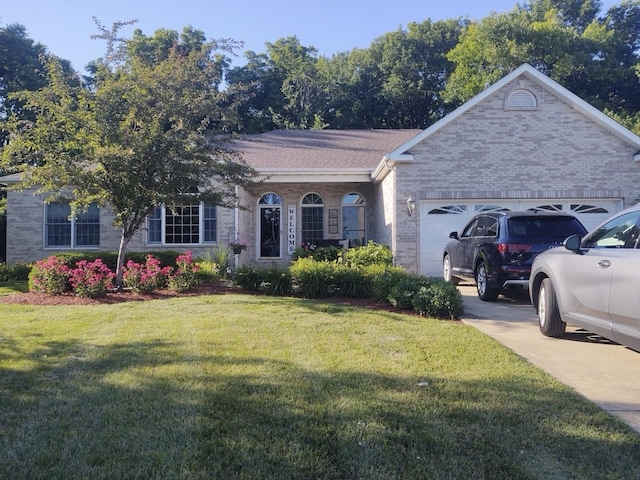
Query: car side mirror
[454, 235]
[573, 243]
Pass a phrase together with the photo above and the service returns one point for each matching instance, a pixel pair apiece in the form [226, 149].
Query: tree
[264, 96]
[285, 87]
[414, 69]
[147, 131]
[498, 44]
[578, 14]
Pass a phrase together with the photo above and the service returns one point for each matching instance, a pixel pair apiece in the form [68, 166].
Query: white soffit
[344, 175]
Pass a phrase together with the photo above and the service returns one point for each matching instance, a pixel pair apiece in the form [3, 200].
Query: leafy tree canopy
[147, 130]
[21, 68]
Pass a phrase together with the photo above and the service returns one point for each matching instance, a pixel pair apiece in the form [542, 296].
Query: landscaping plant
[319, 254]
[313, 279]
[185, 276]
[276, 281]
[218, 260]
[15, 272]
[91, 279]
[147, 277]
[248, 278]
[370, 254]
[351, 282]
[403, 291]
[438, 299]
[50, 275]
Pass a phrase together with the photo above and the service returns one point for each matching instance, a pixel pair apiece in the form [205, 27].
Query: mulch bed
[213, 288]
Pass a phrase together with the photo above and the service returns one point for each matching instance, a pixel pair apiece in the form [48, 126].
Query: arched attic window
[521, 99]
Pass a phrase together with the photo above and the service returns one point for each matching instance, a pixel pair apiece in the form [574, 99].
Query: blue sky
[331, 26]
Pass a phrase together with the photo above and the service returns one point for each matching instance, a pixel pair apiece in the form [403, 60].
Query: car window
[469, 229]
[486, 227]
[559, 227]
[621, 232]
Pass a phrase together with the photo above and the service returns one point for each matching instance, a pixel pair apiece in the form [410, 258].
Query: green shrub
[275, 281]
[217, 259]
[313, 279]
[438, 299]
[370, 254]
[207, 271]
[319, 254]
[248, 277]
[351, 282]
[72, 258]
[383, 278]
[402, 293]
[15, 272]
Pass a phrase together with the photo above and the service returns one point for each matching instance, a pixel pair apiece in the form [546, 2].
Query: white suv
[593, 282]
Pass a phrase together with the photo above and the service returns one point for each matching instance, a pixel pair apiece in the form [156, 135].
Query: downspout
[236, 217]
[394, 210]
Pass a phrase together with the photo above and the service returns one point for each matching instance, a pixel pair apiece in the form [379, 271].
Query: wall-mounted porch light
[411, 205]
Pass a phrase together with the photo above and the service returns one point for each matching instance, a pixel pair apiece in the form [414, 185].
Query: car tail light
[513, 247]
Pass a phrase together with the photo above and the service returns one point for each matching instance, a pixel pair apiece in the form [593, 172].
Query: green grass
[244, 387]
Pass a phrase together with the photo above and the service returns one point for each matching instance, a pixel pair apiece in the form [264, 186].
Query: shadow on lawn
[154, 410]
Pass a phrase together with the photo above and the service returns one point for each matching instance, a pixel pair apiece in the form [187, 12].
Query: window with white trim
[312, 212]
[353, 212]
[63, 231]
[190, 224]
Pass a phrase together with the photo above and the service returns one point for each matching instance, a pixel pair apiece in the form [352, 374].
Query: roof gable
[402, 152]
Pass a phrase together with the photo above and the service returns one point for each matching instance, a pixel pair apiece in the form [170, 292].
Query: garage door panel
[437, 222]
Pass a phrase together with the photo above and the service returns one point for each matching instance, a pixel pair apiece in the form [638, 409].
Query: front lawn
[250, 387]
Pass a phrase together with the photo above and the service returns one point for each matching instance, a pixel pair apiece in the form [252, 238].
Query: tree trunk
[124, 241]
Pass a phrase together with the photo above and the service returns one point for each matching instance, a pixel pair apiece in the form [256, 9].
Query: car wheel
[551, 324]
[446, 271]
[485, 291]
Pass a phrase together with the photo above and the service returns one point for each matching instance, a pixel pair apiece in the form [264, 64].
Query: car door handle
[604, 263]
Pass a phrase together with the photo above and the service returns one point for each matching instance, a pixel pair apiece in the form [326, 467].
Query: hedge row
[310, 278]
[14, 273]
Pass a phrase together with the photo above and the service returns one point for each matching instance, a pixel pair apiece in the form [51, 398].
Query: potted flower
[238, 246]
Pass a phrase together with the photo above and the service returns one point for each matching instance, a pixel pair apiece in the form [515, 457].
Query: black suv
[495, 249]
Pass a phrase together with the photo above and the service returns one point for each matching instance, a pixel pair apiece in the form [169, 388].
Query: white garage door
[438, 219]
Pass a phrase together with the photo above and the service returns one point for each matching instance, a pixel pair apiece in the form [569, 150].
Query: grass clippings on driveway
[246, 387]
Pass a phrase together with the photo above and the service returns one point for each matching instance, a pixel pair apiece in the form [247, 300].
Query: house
[525, 143]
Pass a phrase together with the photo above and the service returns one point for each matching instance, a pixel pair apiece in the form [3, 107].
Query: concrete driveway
[600, 370]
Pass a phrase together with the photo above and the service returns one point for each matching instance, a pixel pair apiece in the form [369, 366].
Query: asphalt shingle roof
[321, 149]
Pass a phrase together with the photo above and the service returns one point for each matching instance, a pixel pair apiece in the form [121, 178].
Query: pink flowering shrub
[50, 275]
[185, 276]
[145, 278]
[91, 279]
